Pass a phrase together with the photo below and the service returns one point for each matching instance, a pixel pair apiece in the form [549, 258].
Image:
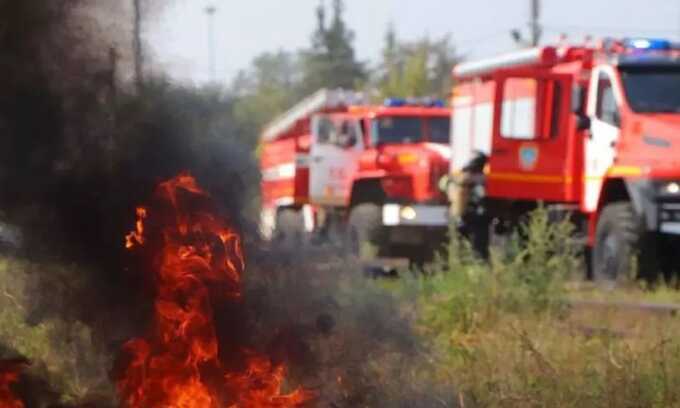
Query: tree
[331, 62]
[269, 87]
[420, 68]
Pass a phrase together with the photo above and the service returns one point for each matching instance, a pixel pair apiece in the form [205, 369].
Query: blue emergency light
[427, 102]
[395, 102]
[647, 44]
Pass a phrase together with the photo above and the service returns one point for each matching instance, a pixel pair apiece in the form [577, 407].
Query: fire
[9, 374]
[196, 257]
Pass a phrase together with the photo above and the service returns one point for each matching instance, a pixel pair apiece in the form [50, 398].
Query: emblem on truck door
[528, 156]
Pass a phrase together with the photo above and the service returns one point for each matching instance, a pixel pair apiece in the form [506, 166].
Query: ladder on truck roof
[323, 99]
[532, 56]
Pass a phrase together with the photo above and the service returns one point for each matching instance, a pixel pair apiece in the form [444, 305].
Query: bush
[460, 292]
[502, 333]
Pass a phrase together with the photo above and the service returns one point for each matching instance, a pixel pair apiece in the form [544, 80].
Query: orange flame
[9, 374]
[174, 367]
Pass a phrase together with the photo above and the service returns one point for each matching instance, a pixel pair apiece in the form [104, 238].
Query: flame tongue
[9, 374]
[197, 252]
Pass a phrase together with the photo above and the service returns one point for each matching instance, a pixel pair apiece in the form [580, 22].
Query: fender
[640, 192]
[367, 189]
[643, 197]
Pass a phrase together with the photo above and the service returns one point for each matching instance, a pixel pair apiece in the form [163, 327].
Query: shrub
[460, 292]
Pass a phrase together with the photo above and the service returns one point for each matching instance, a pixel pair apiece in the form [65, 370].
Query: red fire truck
[334, 167]
[592, 131]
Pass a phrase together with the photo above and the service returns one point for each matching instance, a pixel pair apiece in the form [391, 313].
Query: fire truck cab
[336, 168]
[590, 131]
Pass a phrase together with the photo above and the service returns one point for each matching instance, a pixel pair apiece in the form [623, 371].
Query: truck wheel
[366, 235]
[290, 227]
[622, 246]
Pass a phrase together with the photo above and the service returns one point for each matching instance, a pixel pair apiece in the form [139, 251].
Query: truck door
[337, 142]
[605, 119]
[529, 152]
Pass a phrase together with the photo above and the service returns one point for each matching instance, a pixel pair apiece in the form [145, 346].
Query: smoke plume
[80, 150]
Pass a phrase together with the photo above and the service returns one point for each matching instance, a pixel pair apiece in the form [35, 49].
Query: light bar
[426, 102]
[395, 102]
[647, 44]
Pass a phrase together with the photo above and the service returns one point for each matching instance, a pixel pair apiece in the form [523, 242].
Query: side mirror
[582, 122]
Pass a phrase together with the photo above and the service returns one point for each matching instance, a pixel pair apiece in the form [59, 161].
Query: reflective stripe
[282, 171]
[625, 171]
[530, 178]
[284, 201]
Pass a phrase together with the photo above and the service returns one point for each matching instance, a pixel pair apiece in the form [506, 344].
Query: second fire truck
[335, 168]
[591, 131]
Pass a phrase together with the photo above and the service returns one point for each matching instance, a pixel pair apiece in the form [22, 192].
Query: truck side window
[349, 134]
[325, 131]
[607, 110]
[555, 108]
[518, 117]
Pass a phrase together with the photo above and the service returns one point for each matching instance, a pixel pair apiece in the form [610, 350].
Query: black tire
[622, 247]
[365, 229]
[290, 227]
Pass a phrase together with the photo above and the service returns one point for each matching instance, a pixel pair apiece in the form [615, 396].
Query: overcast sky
[246, 28]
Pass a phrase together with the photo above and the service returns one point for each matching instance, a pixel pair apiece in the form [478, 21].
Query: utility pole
[137, 44]
[535, 29]
[210, 11]
[534, 24]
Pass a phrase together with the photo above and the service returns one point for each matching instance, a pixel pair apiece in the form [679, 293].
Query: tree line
[276, 80]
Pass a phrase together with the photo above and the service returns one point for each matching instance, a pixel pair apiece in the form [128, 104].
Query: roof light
[647, 44]
[426, 102]
[395, 102]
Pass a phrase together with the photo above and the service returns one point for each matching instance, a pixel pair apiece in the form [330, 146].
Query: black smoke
[81, 148]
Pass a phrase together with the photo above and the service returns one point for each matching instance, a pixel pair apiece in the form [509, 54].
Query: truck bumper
[396, 215]
[669, 218]
[659, 209]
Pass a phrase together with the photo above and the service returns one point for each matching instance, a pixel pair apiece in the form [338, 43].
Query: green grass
[502, 333]
[61, 352]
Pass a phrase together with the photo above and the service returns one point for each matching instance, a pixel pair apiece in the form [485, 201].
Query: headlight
[669, 188]
[408, 213]
[673, 188]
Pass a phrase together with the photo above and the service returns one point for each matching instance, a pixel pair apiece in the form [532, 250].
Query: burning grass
[197, 262]
[309, 319]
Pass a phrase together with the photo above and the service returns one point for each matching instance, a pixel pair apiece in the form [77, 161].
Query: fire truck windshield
[652, 89]
[410, 129]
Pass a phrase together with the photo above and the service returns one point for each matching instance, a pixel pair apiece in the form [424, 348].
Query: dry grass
[504, 335]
